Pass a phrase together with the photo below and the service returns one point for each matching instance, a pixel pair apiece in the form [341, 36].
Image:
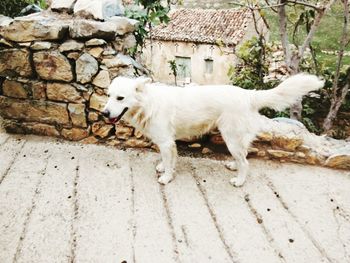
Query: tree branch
[305, 4]
[283, 32]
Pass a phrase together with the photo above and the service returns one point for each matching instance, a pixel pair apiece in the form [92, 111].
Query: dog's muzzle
[115, 120]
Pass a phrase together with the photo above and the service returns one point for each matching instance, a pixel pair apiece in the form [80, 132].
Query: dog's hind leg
[237, 140]
[169, 154]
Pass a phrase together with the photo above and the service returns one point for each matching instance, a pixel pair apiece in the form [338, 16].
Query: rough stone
[35, 27]
[95, 52]
[86, 68]
[102, 79]
[98, 9]
[83, 29]
[62, 5]
[30, 128]
[52, 65]
[95, 42]
[6, 43]
[5, 21]
[117, 61]
[63, 92]
[287, 143]
[77, 114]
[341, 161]
[137, 143]
[97, 102]
[90, 140]
[123, 24]
[253, 150]
[34, 111]
[123, 132]
[265, 137]
[14, 89]
[280, 153]
[129, 41]
[14, 62]
[101, 129]
[73, 55]
[93, 116]
[41, 45]
[39, 90]
[71, 45]
[75, 134]
[195, 145]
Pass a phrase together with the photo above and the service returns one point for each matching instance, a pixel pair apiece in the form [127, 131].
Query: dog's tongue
[112, 120]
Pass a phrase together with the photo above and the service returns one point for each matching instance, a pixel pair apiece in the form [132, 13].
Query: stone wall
[55, 68]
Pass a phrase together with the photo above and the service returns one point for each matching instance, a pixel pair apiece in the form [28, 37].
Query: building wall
[157, 55]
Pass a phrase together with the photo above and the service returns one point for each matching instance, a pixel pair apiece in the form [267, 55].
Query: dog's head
[122, 96]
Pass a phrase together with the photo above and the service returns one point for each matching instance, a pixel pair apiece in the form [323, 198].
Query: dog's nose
[106, 113]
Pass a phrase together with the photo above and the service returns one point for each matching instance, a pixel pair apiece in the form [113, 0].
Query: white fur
[166, 113]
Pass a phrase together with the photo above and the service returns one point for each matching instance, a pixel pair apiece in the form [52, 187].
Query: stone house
[201, 41]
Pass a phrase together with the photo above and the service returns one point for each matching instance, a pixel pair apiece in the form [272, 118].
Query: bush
[12, 8]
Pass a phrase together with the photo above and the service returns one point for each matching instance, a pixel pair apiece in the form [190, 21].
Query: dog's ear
[141, 82]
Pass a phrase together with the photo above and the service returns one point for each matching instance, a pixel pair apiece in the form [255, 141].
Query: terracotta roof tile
[205, 26]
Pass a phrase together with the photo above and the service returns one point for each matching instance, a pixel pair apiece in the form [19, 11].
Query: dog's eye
[120, 98]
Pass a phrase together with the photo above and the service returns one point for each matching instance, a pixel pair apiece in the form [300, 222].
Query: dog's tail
[286, 93]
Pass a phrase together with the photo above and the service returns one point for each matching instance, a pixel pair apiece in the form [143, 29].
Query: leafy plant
[12, 8]
[151, 14]
[174, 69]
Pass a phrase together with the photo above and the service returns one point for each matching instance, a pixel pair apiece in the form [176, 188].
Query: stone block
[102, 79]
[101, 129]
[15, 62]
[52, 65]
[75, 134]
[35, 27]
[34, 111]
[63, 92]
[97, 102]
[98, 9]
[86, 68]
[14, 89]
[77, 114]
[71, 45]
[83, 29]
[30, 128]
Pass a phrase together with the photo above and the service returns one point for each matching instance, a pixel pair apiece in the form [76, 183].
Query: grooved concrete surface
[64, 202]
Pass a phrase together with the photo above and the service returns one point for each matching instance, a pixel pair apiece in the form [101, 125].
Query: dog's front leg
[169, 154]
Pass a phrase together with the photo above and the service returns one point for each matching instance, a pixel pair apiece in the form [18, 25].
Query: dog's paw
[237, 182]
[231, 166]
[160, 168]
[165, 179]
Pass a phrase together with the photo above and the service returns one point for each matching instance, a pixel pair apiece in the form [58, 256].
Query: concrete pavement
[64, 202]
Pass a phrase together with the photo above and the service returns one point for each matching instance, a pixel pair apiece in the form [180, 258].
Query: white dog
[166, 113]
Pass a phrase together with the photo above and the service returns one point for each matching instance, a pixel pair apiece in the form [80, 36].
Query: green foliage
[153, 13]
[174, 69]
[12, 8]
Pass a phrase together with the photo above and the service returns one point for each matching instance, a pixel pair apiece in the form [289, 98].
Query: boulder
[86, 68]
[123, 132]
[82, 29]
[63, 92]
[98, 9]
[15, 62]
[5, 21]
[35, 27]
[39, 90]
[95, 52]
[34, 111]
[52, 65]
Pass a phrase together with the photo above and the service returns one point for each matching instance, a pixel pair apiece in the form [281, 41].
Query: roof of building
[205, 26]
